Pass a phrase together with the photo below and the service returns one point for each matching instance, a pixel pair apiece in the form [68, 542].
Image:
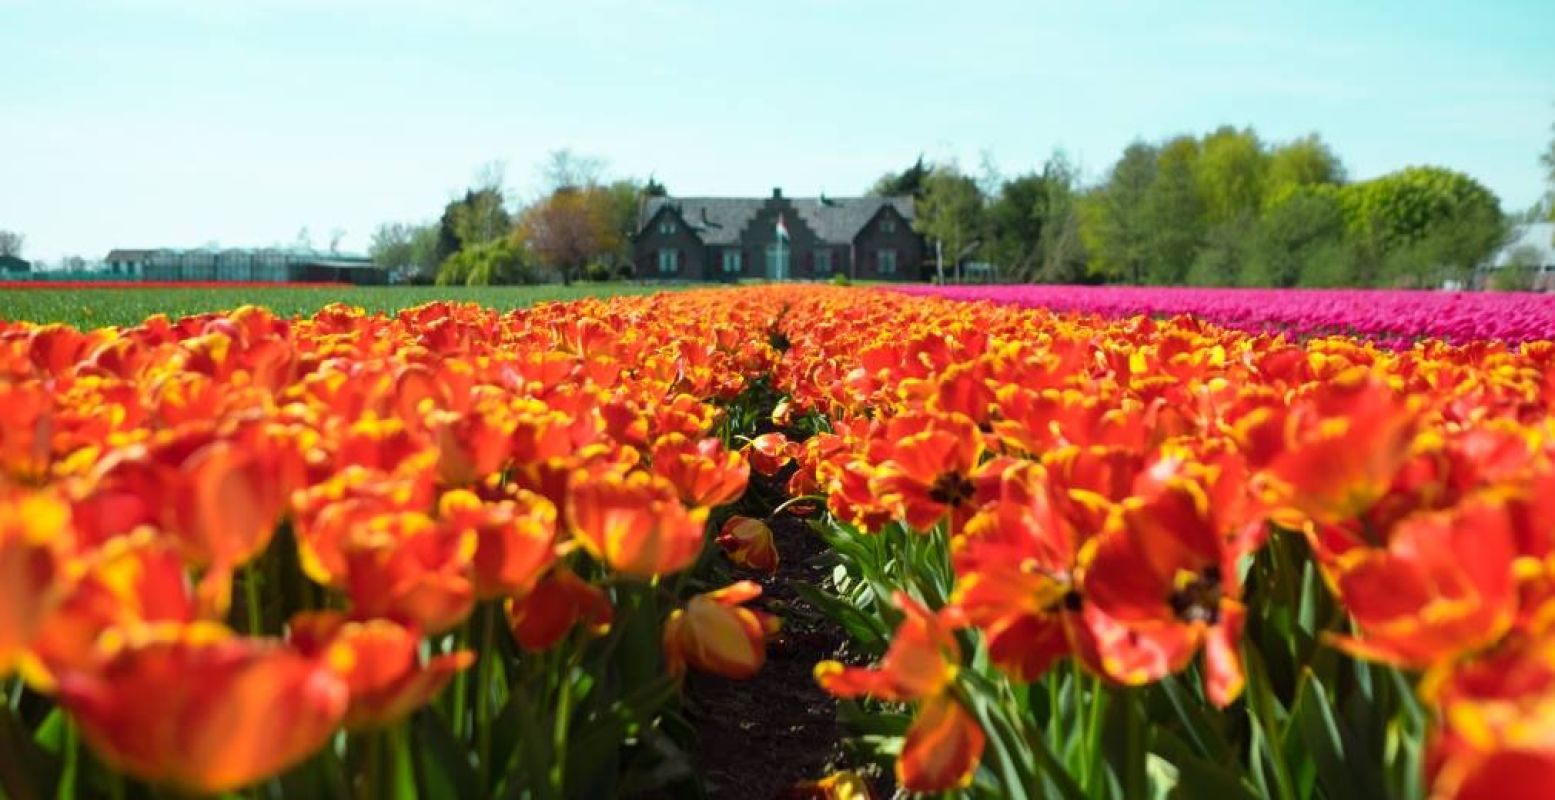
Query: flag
[782, 230]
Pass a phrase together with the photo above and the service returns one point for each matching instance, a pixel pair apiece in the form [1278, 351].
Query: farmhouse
[777, 237]
[12, 264]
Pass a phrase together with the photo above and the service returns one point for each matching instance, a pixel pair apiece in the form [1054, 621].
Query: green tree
[1033, 227]
[406, 249]
[1307, 161]
[480, 216]
[1231, 171]
[910, 182]
[1173, 213]
[1422, 224]
[1305, 223]
[1228, 246]
[486, 263]
[951, 214]
[1113, 221]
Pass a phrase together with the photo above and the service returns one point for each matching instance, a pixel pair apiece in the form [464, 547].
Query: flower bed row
[448, 553]
[1394, 318]
[1119, 558]
[462, 553]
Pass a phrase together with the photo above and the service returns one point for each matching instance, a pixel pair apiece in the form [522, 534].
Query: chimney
[777, 193]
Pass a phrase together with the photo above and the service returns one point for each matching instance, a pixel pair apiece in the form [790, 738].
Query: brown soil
[757, 738]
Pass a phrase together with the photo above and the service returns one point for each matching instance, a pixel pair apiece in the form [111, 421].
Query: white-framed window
[734, 262]
[822, 261]
[667, 226]
[669, 262]
[885, 261]
[887, 225]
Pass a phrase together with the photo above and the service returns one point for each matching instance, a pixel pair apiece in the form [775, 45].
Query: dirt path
[757, 738]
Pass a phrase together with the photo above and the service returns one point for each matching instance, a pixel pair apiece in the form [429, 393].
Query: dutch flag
[782, 229]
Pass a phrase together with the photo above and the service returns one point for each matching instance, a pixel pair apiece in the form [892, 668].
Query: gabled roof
[721, 220]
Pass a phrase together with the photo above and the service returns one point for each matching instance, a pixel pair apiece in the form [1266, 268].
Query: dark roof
[721, 220]
[123, 254]
[15, 264]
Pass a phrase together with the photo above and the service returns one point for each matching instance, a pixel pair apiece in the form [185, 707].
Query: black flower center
[1198, 598]
[951, 489]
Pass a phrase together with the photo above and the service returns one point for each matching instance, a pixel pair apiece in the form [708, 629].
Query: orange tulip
[559, 601]
[929, 471]
[1337, 451]
[921, 662]
[515, 539]
[748, 542]
[205, 712]
[942, 749]
[944, 744]
[404, 567]
[34, 531]
[1497, 711]
[705, 473]
[634, 522]
[770, 452]
[715, 634]
[1443, 586]
[378, 660]
[131, 584]
[836, 786]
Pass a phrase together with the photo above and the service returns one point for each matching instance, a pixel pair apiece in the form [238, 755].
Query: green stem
[251, 600]
[461, 681]
[1098, 701]
[487, 655]
[373, 783]
[559, 733]
[67, 776]
[401, 770]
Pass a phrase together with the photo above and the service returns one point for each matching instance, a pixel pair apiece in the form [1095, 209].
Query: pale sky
[143, 123]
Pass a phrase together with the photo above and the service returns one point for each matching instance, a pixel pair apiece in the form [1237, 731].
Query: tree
[950, 213]
[1422, 223]
[1307, 161]
[910, 182]
[1032, 225]
[479, 217]
[11, 244]
[1231, 171]
[409, 250]
[1305, 224]
[484, 264]
[1172, 213]
[564, 169]
[571, 228]
[1113, 220]
[1548, 159]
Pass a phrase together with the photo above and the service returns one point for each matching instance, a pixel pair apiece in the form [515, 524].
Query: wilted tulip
[748, 542]
[715, 633]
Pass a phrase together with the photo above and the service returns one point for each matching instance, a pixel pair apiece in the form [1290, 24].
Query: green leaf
[442, 764]
[1196, 777]
[27, 771]
[1339, 772]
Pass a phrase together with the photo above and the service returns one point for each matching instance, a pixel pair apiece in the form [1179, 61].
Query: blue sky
[185, 122]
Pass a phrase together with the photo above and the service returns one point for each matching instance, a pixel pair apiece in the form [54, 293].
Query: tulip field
[1072, 543]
